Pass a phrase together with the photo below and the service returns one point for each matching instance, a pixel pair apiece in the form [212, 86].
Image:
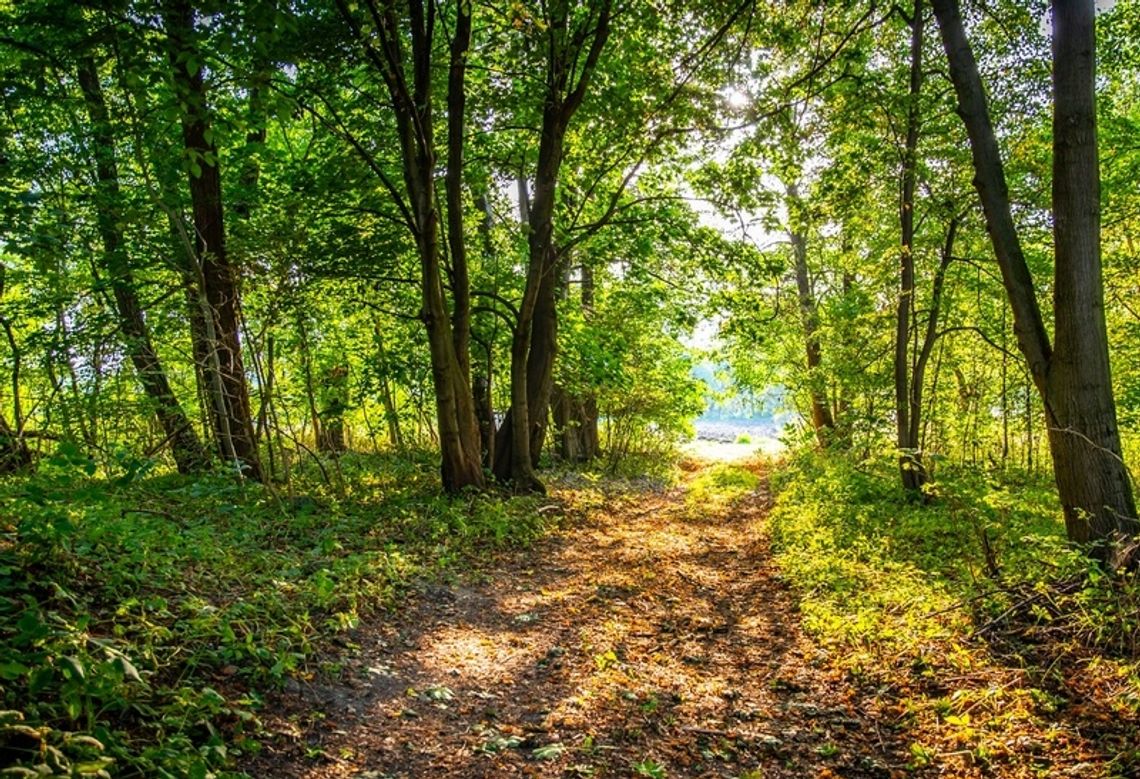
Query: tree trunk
[1074, 381]
[910, 458]
[534, 344]
[332, 414]
[918, 370]
[540, 360]
[391, 412]
[14, 453]
[589, 446]
[310, 384]
[482, 382]
[1095, 486]
[218, 278]
[189, 454]
[576, 415]
[448, 333]
[822, 421]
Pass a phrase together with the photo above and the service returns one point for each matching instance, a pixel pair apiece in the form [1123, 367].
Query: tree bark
[189, 454]
[448, 334]
[217, 276]
[910, 458]
[1083, 433]
[1073, 377]
[821, 419]
[534, 344]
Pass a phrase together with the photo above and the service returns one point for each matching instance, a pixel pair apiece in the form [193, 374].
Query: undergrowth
[143, 616]
[986, 636]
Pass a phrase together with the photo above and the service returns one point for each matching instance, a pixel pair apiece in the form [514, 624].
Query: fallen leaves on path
[650, 637]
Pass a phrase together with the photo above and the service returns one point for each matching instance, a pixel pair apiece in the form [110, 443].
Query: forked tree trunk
[532, 343]
[218, 282]
[448, 333]
[520, 439]
[189, 454]
[1072, 376]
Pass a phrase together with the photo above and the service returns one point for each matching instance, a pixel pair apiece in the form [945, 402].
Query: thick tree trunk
[540, 360]
[910, 458]
[189, 454]
[532, 344]
[217, 277]
[1095, 487]
[821, 419]
[1074, 381]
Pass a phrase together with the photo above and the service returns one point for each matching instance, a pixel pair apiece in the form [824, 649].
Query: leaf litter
[650, 636]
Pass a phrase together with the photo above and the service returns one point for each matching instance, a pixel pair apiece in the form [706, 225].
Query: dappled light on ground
[650, 637]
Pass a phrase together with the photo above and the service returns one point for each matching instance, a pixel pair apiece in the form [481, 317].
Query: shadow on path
[651, 638]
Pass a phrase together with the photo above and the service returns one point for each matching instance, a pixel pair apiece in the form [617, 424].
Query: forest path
[650, 636]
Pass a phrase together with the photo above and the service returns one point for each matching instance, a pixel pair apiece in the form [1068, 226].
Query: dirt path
[652, 637]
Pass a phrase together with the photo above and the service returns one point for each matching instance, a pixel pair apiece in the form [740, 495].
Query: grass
[719, 486]
[143, 616]
[971, 616]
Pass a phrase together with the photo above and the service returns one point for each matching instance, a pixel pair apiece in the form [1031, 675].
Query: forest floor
[651, 635]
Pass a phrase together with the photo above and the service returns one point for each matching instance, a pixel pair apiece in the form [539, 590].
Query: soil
[648, 637]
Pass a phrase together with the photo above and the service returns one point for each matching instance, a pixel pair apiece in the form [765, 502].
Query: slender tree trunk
[453, 186]
[189, 454]
[482, 383]
[910, 458]
[14, 453]
[310, 389]
[1072, 378]
[219, 278]
[918, 374]
[822, 421]
[576, 415]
